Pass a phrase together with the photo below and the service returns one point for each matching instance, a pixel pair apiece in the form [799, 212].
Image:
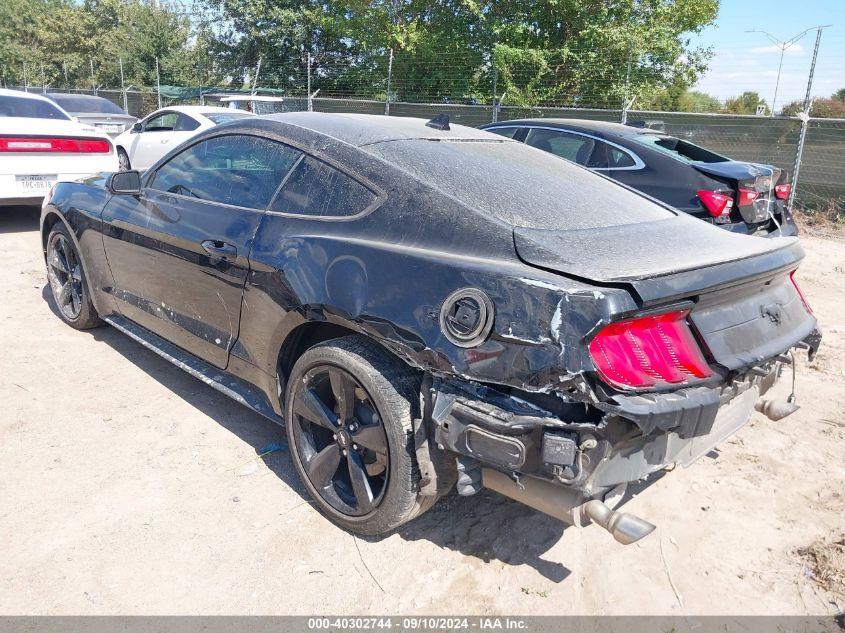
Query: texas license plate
[38, 183]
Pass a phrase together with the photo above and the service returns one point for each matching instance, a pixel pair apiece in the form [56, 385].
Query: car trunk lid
[759, 180]
[745, 306]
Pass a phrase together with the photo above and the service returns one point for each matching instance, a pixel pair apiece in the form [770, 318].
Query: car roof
[605, 128]
[366, 129]
[74, 95]
[199, 109]
[5, 92]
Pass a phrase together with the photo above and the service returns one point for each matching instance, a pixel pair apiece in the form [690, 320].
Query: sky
[749, 61]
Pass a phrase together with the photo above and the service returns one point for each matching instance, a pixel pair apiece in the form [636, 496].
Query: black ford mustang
[424, 306]
[738, 196]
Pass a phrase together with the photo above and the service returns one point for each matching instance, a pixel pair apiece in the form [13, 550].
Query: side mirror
[125, 182]
[137, 127]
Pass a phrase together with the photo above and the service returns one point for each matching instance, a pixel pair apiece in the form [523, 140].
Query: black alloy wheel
[66, 277]
[341, 440]
[349, 411]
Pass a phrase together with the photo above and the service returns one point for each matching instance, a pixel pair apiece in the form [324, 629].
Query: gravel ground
[129, 487]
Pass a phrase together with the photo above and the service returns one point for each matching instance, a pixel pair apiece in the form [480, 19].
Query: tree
[746, 103]
[832, 108]
[67, 39]
[573, 52]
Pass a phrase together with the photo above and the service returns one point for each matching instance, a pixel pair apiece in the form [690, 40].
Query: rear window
[317, 189]
[218, 118]
[519, 185]
[29, 108]
[95, 105]
[678, 148]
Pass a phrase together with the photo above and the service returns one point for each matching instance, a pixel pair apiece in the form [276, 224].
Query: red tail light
[782, 191]
[800, 294]
[55, 145]
[747, 196]
[651, 351]
[718, 204]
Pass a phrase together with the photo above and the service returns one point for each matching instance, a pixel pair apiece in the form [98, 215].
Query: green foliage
[66, 39]
[746, 103]
[539, 52]
[832, 108]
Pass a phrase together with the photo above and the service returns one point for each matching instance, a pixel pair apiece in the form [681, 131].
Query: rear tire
[67, 281]
[369, 432]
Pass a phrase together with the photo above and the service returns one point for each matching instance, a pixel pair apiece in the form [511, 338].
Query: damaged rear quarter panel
[377, 276]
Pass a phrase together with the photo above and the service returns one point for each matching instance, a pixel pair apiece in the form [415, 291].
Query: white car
[151, 138]
[41, 144]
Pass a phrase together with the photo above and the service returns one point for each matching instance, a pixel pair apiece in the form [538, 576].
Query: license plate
[105, 127]
[38, 183]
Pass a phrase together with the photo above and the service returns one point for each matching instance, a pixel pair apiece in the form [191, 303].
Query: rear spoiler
[718, 276]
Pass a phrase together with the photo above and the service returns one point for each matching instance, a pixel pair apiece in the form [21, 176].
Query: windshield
[680, 149]
[219, 118]
[29, 108]
[96, 105]
[519, 184]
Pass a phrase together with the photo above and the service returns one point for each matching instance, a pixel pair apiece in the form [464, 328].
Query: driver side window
[164, 122]
[235, 169]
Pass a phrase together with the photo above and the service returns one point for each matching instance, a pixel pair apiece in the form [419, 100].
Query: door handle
[223, 250]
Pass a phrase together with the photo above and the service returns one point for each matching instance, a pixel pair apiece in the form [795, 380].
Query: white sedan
[41, 144]
[151, 138]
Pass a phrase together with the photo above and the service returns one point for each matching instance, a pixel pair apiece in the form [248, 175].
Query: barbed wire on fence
[473, 91]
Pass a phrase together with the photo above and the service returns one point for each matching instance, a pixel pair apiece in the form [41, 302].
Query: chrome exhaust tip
[625, 528]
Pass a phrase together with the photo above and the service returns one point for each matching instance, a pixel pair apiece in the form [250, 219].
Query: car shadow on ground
[487, 526]
[19, 219]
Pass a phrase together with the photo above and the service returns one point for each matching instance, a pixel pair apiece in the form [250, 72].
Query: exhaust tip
[775, 410]
[625, 528]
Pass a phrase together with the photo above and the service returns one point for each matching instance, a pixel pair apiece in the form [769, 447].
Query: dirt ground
[128, 487]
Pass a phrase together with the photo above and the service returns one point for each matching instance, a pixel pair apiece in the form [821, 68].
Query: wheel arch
[310, 333]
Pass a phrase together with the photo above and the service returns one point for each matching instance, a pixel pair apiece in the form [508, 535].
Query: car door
[159, 135]
[179, 251]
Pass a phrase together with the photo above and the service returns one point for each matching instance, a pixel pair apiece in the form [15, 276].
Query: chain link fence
[761, 139]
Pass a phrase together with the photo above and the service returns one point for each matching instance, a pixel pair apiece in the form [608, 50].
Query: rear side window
[29, 108]
[317, 189]
[606, 156]
[569, 146]
[218, 118]
[236, 169]
[510, 132]
[185, 124]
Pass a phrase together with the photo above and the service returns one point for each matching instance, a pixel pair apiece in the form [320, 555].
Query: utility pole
[389, 83]
[43, 80]
[627, 85]
[158, 84]
[64, 71]
[495, 98]
[123, 86]
[255, 78]
[93, 81]
[783, 45]
[310, 107]
[25, 79]
[805, 117]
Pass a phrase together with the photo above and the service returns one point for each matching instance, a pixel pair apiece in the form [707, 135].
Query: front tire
[348, 412]
[67, 281]
[123, 160]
